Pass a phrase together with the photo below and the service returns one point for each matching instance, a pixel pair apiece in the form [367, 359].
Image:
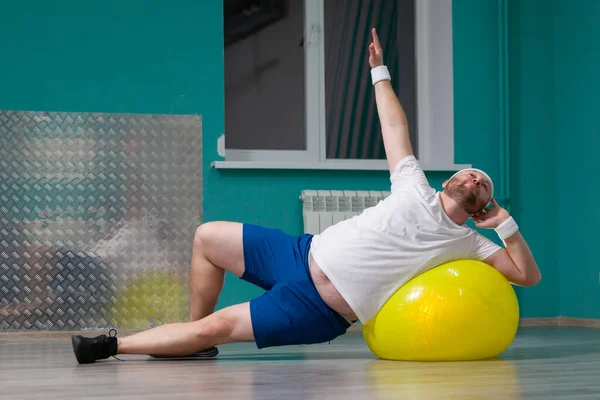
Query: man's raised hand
[375, 52]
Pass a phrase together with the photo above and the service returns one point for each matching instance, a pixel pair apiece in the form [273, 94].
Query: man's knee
[232, 324]
[216, 328]
[203, 234]
[221, 243]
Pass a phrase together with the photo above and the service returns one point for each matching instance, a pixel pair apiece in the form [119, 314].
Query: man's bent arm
[517, 262]
[520, 253]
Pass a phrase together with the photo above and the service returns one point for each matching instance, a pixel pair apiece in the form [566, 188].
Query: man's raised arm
[394, 126]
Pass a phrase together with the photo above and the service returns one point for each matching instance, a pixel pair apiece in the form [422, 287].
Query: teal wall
[134, 56]
[143, 57]
[577, 111]
[533, 148]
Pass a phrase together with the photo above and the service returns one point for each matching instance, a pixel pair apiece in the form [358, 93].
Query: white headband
[483, 173]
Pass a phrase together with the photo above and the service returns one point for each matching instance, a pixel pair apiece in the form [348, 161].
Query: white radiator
[323, 208]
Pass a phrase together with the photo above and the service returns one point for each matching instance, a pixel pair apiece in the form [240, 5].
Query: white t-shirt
[370, 256]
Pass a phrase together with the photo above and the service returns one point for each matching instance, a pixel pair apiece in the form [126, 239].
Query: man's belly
[329, 293]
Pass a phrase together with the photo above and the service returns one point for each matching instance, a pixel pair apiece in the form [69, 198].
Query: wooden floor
[552, 363]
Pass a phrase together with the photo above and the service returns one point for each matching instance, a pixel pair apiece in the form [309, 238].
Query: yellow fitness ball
[461, 310]
[150, 299]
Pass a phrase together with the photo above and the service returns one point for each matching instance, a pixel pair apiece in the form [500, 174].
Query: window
[298, 90]
[352, 128]
[265, 82]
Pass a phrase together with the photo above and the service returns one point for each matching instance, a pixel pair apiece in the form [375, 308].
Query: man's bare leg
[231, 324]
[217, 248]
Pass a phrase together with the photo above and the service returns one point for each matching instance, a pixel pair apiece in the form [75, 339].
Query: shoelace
[109, 335]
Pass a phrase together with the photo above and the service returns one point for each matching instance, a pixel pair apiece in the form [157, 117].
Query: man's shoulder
[421, 192]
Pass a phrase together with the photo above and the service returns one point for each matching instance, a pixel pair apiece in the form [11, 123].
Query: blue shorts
[291, 310]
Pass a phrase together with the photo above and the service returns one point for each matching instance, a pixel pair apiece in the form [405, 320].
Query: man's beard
[465, 198]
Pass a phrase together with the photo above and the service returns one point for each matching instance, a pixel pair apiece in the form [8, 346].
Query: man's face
[470, 189]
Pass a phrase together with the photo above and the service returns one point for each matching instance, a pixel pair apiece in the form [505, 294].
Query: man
[317, 286]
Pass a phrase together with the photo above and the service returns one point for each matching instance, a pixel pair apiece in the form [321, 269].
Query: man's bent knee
[203, 234]
[221, 244]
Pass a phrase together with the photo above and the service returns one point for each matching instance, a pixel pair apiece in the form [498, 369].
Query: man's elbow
[532, 280]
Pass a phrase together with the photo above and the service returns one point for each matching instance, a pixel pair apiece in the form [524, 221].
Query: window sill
[347, 165]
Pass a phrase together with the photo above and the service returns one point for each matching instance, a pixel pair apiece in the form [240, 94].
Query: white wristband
[507, 228]
[379, 74]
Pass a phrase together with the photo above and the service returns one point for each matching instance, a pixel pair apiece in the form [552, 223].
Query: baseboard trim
[534, 322]
[562, 321]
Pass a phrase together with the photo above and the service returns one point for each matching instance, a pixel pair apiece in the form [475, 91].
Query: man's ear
[445, 184]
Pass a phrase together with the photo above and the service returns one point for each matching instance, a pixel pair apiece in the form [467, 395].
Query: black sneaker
[88, 350]
[207, 353]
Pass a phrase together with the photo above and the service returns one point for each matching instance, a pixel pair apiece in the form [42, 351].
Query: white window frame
[435, 99]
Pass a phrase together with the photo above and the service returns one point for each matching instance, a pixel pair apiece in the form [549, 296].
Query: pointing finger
[375, 37]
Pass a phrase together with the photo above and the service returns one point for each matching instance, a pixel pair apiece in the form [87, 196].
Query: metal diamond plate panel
[97, 216]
